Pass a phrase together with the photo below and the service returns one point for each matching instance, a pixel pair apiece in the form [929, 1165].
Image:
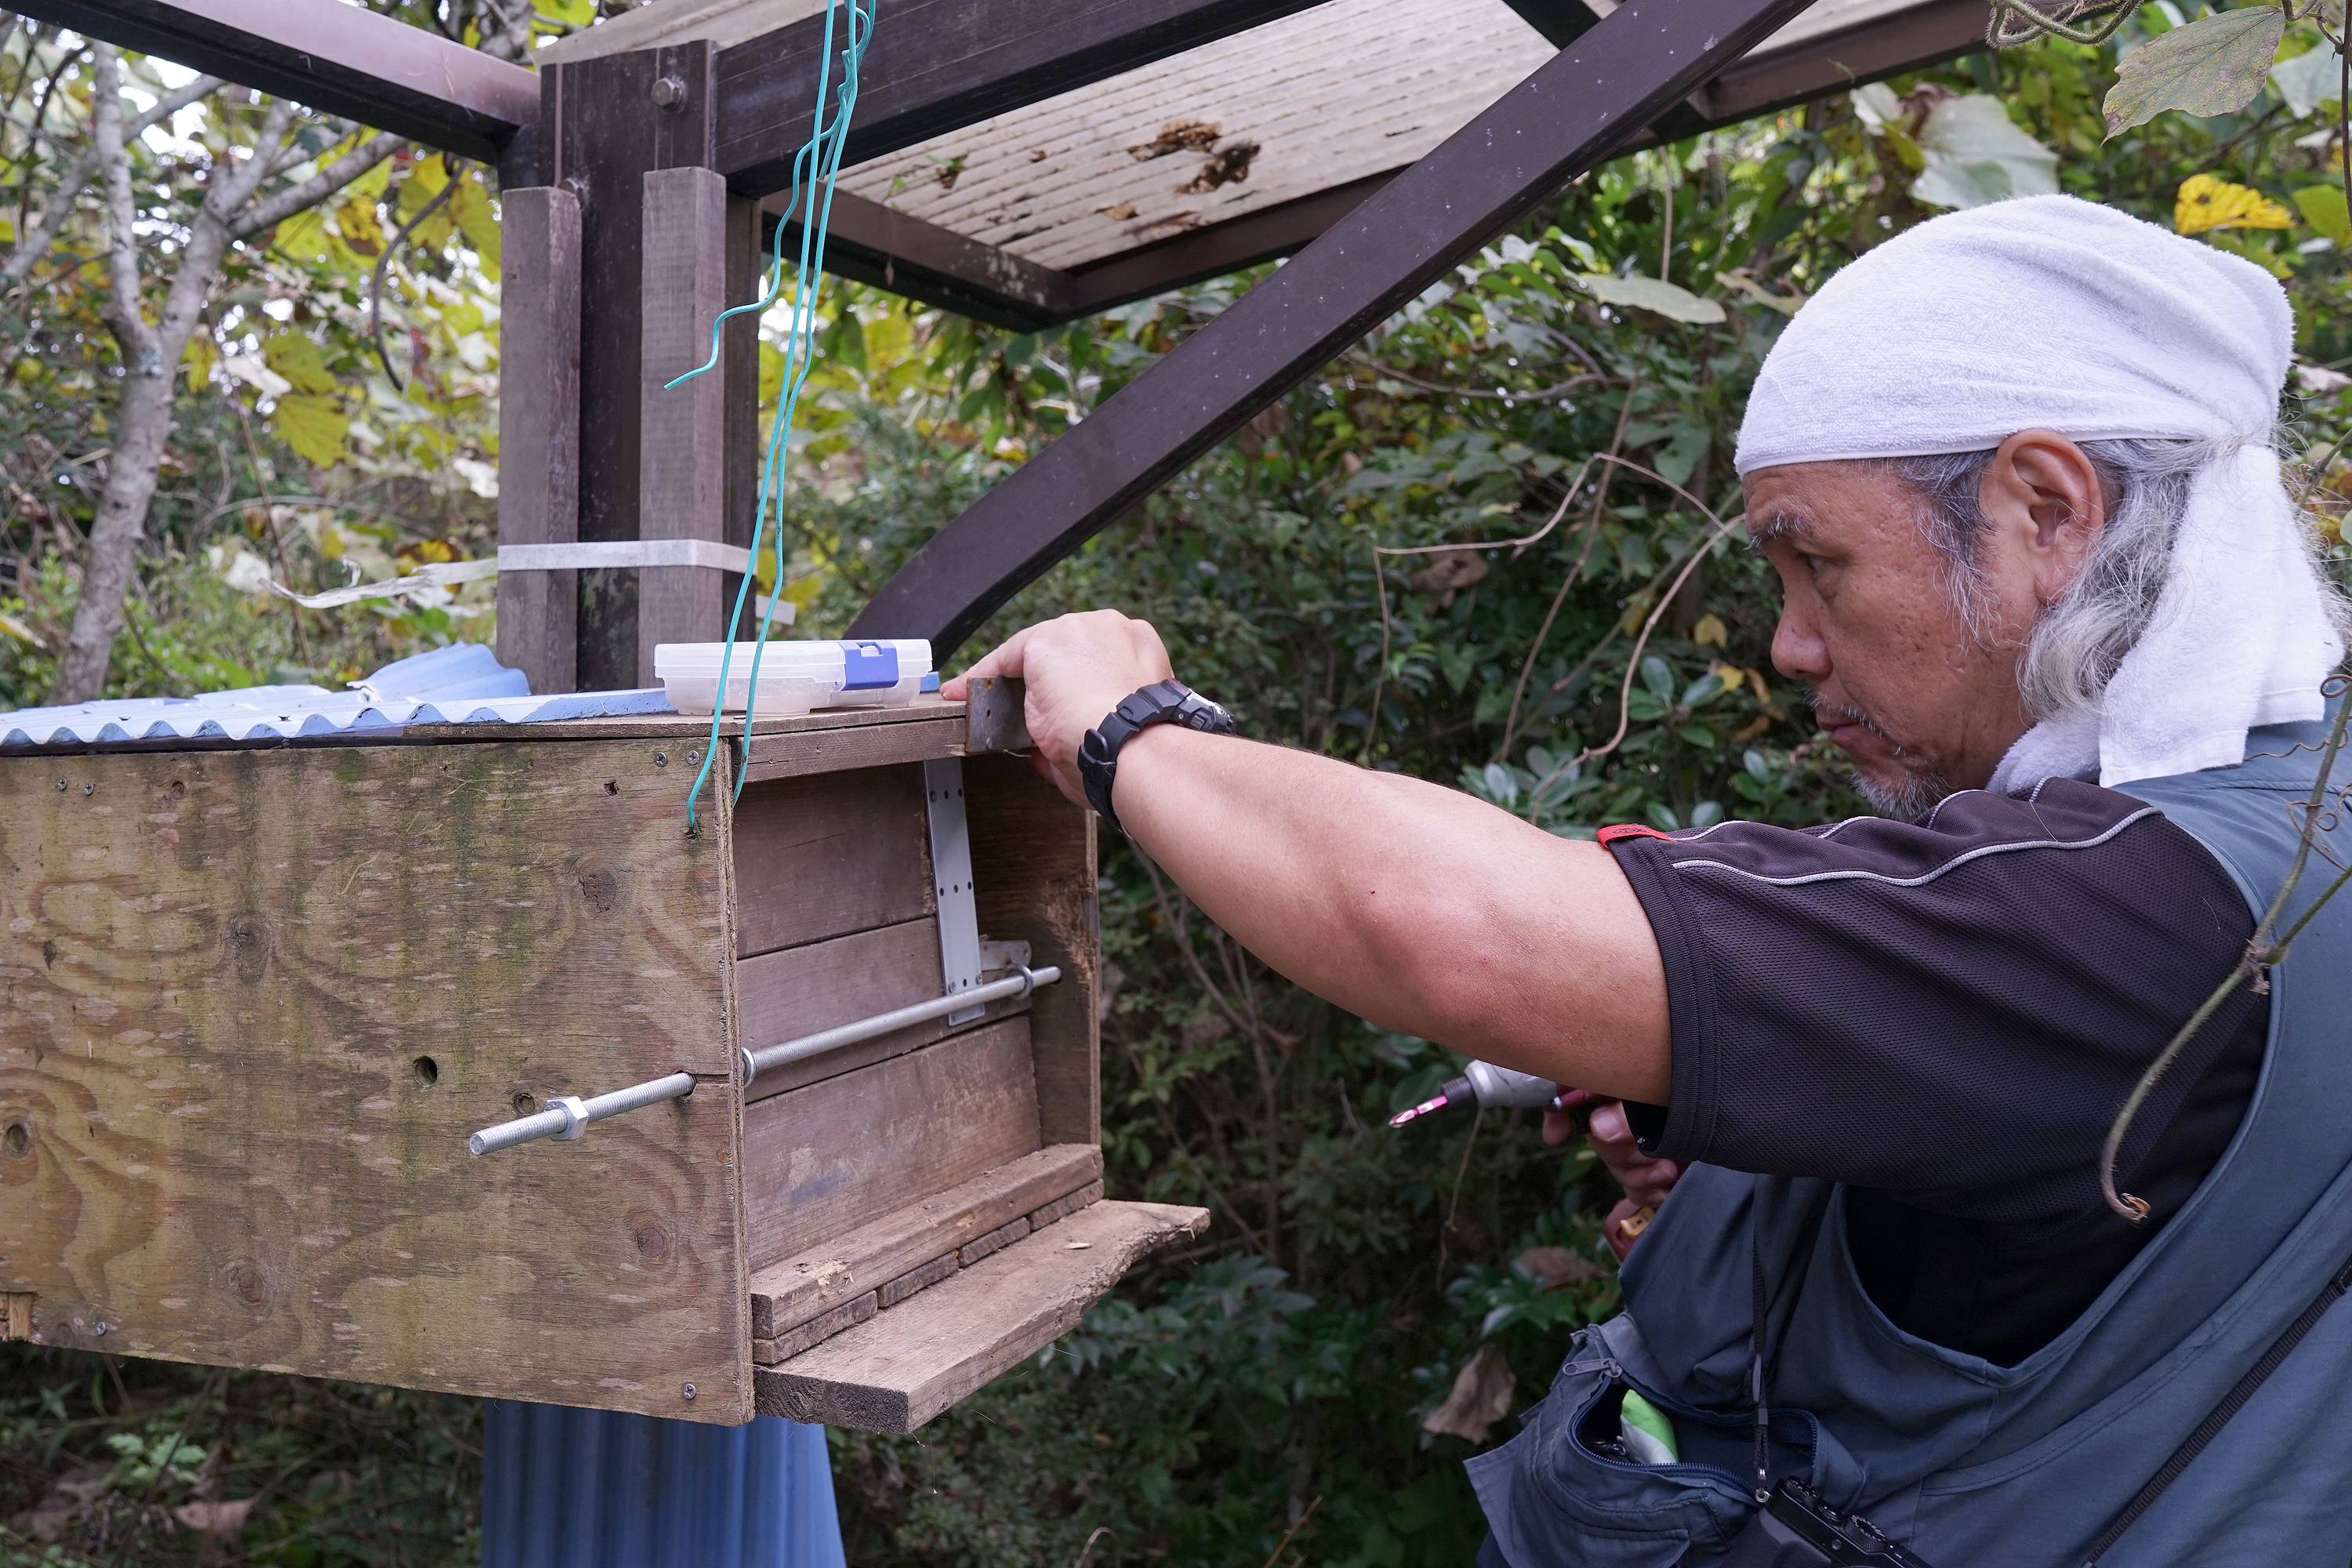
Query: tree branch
[76, 171]
[319, 186]
[121, 309]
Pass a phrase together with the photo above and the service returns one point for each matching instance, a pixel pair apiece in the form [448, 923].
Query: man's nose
[1797, 650]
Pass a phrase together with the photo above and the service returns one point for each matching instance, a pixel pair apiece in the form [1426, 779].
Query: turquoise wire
[824, 149]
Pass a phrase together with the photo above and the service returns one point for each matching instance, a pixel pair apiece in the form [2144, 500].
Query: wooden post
[608, 122]
[539, 429]
[681, 443]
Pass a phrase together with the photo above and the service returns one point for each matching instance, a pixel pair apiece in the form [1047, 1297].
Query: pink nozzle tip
[1424, 1108]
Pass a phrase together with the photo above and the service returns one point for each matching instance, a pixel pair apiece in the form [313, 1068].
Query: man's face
[1923, 705]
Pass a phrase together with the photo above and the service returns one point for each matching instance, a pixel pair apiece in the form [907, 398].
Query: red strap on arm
[1615, 831]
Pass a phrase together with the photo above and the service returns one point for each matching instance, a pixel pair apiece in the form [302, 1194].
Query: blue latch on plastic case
[866, 666]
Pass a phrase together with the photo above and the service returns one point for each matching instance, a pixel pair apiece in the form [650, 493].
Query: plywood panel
[252, 1001]
[1033, 870]
[822, 856]
[900, 1368]
[824, 1160]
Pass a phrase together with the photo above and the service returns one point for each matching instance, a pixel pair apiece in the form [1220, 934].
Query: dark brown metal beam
[936, 65]
[1912, 39]
[334, 57]
[1572, 113]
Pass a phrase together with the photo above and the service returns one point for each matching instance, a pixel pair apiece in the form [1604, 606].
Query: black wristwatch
[1161, 702]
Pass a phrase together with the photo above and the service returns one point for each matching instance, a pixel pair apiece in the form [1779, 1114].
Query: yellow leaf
[203, 354]
[426, 178]
[293, 355]
[314, 426]
[356, 222]
[478, 223]
[2205, 203]
[302, 237]
[1710, 632]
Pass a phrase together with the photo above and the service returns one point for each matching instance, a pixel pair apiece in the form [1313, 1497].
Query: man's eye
[1810, 563]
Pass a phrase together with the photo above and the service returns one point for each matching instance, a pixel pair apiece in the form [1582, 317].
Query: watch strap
[1161, 702]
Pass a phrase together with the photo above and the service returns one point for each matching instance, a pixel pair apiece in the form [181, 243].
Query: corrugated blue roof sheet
[461, 684]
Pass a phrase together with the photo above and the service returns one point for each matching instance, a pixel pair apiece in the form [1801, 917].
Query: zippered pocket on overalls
[1571, 1503]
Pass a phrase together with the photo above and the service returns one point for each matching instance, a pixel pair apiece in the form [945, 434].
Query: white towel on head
[2056, 313]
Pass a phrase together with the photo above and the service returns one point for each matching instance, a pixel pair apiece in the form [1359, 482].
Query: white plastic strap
[604, 554]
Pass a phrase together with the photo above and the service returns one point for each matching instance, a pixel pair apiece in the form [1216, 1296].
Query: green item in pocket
[1648, 1436]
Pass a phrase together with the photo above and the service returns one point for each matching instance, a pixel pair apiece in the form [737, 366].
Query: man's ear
[2043, 509]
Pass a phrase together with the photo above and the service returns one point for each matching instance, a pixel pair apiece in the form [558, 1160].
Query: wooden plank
[682, 726]
[797, 991]
[915, 1237]
[908, 1364]
[827, 855]
[799, 754]
[17, 1315]
[539, 431]
[817, 1331]
[251, 1003]
[914, 1280]
[995, 1241]
[995, 716]
[1033, 863]
[682, 462]
[823, 1161]
[1060, 1208]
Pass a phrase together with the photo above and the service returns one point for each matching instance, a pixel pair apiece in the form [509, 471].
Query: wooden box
[253, 1000]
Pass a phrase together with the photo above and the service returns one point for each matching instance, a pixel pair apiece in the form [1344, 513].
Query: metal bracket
[958, 916]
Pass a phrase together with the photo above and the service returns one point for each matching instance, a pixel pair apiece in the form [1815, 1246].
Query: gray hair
[2077, 643]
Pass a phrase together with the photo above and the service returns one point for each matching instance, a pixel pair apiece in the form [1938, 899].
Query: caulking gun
[1484, 1084]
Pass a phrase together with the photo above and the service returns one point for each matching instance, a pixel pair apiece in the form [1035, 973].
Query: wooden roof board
[1349, 89]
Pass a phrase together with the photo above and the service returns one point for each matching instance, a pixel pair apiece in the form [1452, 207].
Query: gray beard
[1914, 798]
[1908, 799]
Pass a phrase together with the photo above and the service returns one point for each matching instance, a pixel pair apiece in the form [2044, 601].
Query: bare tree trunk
[152, 351]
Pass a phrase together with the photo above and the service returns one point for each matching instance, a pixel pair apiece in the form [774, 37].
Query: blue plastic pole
[599, 1489]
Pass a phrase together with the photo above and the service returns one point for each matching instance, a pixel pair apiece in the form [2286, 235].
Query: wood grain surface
[795, 755]
[822, 1161]
[797, 991]
[827, 855]
[882, 1252]
[1032, 871]
[905, 1365]
[251, 1002]
[539, 429]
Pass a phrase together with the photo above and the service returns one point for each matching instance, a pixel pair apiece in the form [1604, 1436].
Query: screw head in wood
[661, 760]
[669, 91]
[88, 788]
[61, 784]
[688, 1392]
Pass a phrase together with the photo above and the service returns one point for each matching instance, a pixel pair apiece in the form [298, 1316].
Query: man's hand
[1646, 1181]
[1074, 670]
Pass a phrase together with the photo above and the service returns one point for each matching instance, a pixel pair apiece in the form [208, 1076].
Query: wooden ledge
[898, 1369]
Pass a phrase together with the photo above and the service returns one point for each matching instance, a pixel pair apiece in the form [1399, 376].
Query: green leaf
[2309, 80]
[293, 355]
[314, 426]
[1655, 295]
[2215, 64]
[2323, 208]
[1974, 153]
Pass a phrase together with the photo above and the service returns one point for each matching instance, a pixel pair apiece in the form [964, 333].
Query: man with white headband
[2015, 471]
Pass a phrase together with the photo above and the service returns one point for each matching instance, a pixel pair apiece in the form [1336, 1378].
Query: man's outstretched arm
[1417, 907]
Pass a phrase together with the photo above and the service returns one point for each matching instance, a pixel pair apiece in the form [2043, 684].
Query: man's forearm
[1420, 907]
